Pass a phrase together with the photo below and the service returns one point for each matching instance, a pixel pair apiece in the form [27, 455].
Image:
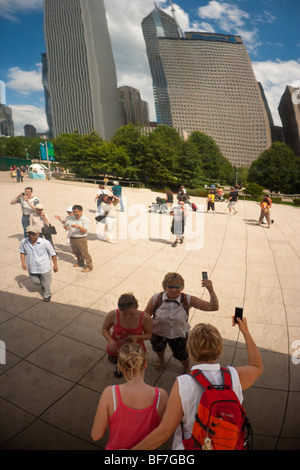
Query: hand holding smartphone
[238, 313]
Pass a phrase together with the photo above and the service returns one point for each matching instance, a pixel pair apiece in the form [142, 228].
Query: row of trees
[162, 158]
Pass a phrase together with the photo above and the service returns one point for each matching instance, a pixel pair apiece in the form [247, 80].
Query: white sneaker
[110, 241]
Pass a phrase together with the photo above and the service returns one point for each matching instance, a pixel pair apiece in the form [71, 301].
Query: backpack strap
[200, 378]
[157, 303]
[227, 380]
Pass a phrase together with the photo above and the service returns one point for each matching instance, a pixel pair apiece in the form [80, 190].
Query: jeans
[25, 223]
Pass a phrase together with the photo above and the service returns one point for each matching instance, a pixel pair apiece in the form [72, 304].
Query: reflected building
[133, 109]
[289, 111]
[79, 71]
[209, 86]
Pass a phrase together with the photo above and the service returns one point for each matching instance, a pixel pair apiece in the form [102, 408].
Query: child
[179, 214]
[132, 410]
[211, 202]
[128, 324]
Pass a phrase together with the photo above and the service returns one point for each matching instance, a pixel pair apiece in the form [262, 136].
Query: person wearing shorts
[169, 310]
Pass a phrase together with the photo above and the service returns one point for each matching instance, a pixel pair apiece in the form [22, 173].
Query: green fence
[7, 162]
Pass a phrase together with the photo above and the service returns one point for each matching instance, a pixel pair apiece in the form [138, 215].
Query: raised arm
[249, 374]
[212, 305]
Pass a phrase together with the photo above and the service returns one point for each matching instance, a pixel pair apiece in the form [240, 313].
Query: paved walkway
[56, 366]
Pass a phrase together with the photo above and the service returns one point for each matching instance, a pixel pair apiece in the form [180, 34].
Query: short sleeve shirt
[74, 231]
[37, 255]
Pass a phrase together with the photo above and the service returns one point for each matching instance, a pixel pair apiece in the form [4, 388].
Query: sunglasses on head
[173, 287]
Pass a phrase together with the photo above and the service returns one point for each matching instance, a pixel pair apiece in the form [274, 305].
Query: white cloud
[274, 77]
[28, 114]
[24, 81]
[231, 19]
[9, 9]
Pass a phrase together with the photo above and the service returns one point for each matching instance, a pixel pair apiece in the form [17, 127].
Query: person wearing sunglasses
[169, 310]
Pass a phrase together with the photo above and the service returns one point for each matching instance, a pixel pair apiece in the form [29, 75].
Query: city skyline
[268, 28]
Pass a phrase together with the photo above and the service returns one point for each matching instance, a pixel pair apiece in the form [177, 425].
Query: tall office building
[211, 87]
[6, 119]
[289, 111]
[80, 73]
[133, 109]
[158, 24]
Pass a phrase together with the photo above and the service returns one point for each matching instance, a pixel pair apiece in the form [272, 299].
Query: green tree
[215, 165]
[277, 169]
[160, 164]
[254, 190]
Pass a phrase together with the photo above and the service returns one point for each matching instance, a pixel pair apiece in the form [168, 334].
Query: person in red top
[132, 410]
[128, 324]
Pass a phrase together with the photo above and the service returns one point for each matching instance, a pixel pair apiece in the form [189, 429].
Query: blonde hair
[131, 359]
[204, 343]
[173, 276]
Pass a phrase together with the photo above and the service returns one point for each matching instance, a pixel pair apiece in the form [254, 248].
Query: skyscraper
[158, 24]
[289, 111]
[80, 70]
[6, 119]
[210, 86]
[133, 109]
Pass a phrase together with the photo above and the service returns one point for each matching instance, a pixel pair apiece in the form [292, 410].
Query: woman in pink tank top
[128, 324]
[131, 410]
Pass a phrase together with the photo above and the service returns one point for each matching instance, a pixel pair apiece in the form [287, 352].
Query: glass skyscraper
[81, 83]
[158, 24]
[209, 86]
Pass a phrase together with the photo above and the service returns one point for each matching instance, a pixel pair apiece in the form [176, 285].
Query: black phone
[204, 275]
[23, 194]
[238, 313]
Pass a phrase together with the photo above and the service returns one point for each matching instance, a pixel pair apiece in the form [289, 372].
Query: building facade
[289, 111]
[6, 118]
[133, 109]
[30, 131]
[79, 69]
[208, 85]
[158, 24]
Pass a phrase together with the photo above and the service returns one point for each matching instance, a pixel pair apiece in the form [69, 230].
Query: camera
[110, 198]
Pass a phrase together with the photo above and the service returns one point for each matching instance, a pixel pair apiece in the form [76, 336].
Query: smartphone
[204, 275]
[238, 313]
[23, 194]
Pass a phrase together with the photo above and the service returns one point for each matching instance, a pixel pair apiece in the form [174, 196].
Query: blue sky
[269, 29]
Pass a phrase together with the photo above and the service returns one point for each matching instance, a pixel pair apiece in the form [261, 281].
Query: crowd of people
[137, 415]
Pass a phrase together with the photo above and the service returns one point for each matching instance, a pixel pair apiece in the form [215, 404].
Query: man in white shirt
[28, 201]
[35, 254]
[78, 226]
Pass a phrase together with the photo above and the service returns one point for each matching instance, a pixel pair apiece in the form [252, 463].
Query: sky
[269, 29]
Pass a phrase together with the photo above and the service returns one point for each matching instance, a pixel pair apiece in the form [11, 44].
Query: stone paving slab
[56, 366]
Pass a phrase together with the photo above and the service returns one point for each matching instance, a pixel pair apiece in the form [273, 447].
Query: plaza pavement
[56, 367]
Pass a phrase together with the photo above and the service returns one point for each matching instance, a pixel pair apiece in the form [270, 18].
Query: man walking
[28, 202]
[117, 192]
[232, 200]
[35, 254]
[78, 226]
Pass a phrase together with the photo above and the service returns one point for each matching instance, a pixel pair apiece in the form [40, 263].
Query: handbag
[101, 218]
[49, 230]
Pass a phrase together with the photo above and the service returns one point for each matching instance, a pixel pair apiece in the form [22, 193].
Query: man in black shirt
[232, 200]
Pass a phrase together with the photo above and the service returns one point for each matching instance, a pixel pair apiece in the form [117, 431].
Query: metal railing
[72, 177]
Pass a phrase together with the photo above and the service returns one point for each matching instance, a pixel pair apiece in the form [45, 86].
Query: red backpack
[221, 422]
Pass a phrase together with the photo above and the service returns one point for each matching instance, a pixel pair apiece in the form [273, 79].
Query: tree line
[162, 159]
